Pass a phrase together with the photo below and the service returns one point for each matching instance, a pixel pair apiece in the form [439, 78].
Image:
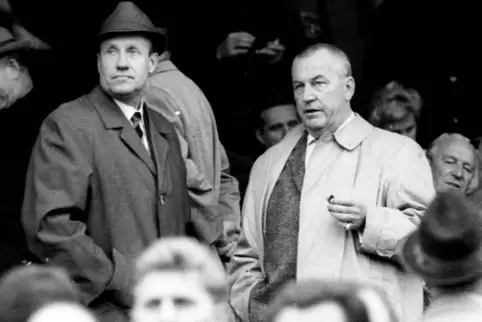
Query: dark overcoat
[95, 198]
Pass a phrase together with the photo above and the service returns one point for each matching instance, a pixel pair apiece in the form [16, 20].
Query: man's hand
[350, 214]
[236, 43]
[274, 49]
[231, 231]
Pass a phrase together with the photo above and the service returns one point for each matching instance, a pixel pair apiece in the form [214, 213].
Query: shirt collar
[130, 110]
[312, 139]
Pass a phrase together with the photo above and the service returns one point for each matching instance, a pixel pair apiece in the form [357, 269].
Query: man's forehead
[457, 148]
[321, 61]
[125, 40]
[283, 110]
[173, 282]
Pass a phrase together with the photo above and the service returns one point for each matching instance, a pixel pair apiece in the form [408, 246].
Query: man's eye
[319, 84]
[154, 303]
[183, 302]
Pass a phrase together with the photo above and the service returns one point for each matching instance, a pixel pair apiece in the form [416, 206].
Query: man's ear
[99, 64]
[349, 87]
[260, 137]
[13, 68]
[153, 59]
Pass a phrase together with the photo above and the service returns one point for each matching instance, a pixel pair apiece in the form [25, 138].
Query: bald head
[62, 312]
[453, 161]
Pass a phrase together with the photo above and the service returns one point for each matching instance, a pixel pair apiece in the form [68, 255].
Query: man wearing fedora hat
[446, 251]
[22, 109]
[106, 177]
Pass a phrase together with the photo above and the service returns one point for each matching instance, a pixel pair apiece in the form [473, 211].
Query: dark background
[419, 43]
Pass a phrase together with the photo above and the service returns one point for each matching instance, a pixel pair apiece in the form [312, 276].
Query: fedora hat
[14, 37]
[447, 247]
[9, 44]
[127, 18]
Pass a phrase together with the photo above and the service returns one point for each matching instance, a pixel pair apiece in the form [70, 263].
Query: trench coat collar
[354, 133]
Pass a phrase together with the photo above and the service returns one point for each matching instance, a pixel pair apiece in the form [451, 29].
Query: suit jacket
[466, 307]
[95, 199]
[214, 192]
[386, 172]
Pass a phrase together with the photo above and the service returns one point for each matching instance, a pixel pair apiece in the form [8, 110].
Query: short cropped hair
[358, 302]
[434, 147]
[388, 98]
[332, 49]
[185, 255]
[25, 289]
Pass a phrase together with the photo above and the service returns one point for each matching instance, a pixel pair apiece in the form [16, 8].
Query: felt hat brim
[435, 271]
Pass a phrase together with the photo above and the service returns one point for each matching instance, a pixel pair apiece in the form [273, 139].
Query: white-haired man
[454, 163]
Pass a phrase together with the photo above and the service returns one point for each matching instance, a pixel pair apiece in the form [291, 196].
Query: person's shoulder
[288, 143]
[160, 121]
[387, 139]
[75, 113]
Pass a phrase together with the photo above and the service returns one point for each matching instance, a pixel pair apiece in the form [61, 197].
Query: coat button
[162, 198]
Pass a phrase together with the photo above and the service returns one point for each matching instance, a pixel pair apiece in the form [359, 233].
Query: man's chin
[448, 187]
[315, 125]
[122, 91]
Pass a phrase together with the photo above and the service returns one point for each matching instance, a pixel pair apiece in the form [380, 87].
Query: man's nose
[286, 128]
[167, 312]
[308, 94]
[457, 172]
[122, 62]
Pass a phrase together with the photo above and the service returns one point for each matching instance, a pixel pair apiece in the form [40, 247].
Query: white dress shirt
[129, 113]
[311, 142]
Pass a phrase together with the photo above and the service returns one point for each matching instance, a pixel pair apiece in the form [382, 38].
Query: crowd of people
[132, 202]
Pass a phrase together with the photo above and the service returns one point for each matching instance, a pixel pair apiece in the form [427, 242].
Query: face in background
[322, 91]
[453, 166]
[278, 121]
[9, 76]
[328, 311]
[404, 122]
[124, 63]
[172, 297]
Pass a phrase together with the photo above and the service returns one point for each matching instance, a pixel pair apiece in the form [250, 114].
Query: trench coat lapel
[158, 128]
[114, 119]
[275, 167]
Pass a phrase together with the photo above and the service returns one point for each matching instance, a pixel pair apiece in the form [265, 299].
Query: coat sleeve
[244, 269]
[229, 196]
[407, 189]
[201, 192]
[54, 207]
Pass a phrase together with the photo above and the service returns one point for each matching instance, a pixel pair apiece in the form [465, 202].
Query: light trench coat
[386, 172]
[461, 306]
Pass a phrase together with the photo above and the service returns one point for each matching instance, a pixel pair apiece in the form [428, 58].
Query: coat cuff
[121, 283]
[377, 237]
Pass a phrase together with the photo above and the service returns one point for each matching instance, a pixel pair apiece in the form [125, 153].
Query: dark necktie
[136, 122]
